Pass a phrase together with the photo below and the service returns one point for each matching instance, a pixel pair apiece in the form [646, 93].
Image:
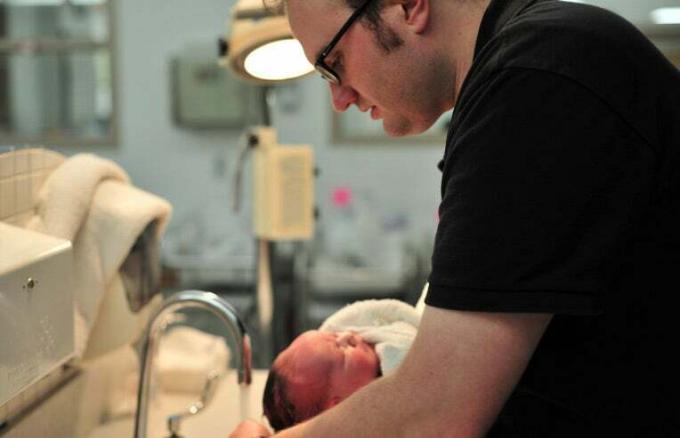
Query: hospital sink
[218, 419]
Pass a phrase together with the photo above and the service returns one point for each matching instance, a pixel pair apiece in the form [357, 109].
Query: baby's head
[317, 371]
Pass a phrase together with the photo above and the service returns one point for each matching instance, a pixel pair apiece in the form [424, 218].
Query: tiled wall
[22, 173]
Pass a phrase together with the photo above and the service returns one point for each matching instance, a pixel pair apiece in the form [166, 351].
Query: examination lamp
[260, 47]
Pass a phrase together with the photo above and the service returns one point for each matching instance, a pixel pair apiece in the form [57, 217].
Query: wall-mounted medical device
[283, 186]
[36, 308]
[260, 48]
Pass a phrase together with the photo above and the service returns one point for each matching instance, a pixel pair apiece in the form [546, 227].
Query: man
[553, 290]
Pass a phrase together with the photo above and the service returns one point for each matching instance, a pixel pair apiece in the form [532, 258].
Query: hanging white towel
[89, 201]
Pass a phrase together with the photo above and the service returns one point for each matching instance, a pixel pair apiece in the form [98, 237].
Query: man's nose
[342, 96]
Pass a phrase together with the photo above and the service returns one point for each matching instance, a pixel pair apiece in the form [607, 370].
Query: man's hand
[250, 429]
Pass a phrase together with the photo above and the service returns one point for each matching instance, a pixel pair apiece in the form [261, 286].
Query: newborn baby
[322, 367]
[317, 371]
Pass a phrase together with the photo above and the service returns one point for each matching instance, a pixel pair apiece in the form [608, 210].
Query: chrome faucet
[157, 323]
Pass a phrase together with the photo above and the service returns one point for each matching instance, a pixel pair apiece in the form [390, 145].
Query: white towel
[89, 201]
[420, 305]
[188, 357]
[390, 325]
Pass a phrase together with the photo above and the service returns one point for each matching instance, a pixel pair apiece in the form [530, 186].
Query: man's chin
[403, 129]
[397, 134]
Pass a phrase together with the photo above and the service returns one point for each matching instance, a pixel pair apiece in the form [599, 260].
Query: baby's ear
[331, 402]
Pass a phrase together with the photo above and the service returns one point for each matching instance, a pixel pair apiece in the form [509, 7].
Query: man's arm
[454, 381]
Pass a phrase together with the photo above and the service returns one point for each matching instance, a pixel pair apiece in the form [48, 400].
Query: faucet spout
[184, 300]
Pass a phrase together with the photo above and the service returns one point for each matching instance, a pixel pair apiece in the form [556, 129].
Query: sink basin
[218, 419]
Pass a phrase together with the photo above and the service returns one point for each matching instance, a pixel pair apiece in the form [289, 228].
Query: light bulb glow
[666, 16]
[278, 60]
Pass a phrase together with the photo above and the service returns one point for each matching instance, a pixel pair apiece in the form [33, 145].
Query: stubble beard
[397, 128]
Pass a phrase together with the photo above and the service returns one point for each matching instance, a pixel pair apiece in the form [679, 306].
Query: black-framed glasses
[320, 65]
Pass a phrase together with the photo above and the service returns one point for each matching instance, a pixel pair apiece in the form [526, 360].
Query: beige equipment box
[283, 185]
[36, 309]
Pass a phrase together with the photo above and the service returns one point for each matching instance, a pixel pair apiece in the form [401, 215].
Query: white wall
[192, 169]
[186, 167]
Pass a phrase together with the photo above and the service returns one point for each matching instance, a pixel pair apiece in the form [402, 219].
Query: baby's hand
[250, 429]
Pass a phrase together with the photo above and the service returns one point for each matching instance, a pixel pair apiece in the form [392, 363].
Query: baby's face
[327, 366]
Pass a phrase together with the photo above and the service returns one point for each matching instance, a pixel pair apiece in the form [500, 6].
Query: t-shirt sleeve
[542, 185]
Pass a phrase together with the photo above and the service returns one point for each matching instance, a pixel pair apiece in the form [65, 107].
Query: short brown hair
[279, 409]
[387, 38]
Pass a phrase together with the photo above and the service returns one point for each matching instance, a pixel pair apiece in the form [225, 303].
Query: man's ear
[416, 13]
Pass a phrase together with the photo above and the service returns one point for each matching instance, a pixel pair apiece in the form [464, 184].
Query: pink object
[342, 196]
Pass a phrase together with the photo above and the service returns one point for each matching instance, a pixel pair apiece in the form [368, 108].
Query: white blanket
[390, 325]
[89, 201]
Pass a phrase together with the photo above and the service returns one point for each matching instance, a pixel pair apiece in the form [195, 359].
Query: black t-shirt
[560, 194]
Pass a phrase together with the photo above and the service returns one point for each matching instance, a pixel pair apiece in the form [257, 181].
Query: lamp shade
[261, 46]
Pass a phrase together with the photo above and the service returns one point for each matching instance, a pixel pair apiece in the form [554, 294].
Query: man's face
[394, 86]
[322, 365]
